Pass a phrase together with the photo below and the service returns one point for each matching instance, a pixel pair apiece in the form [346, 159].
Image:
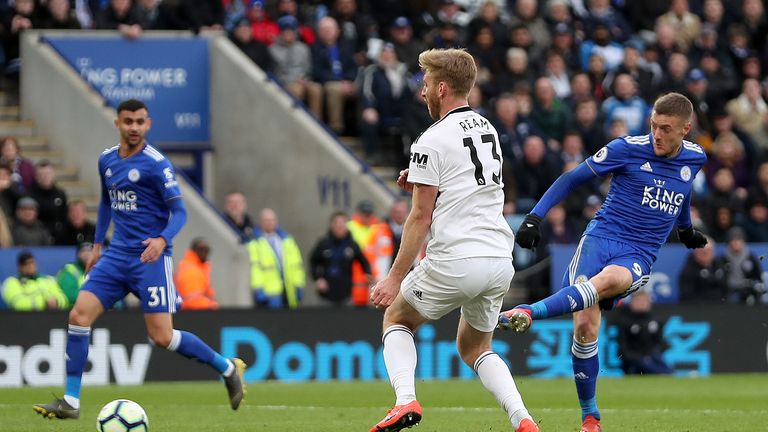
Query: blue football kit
[141, 191]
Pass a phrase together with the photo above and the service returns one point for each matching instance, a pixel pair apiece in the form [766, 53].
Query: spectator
[120, 15]
[236, 213]
[60, 16]
[71, 277]
[23, 15]
[713, 15]
[332, 259]
[738, 45]
[201, 15]
[10, 192]
[277, 270]
[6, 239]
[450, 13]
[383, 97]
[626, 105]
[487, 53]
[563, 44]
[597, 74]
[756, 219]
[290, 8]
[27, 230]
[558, 75]
[550, 115]
[370, 234]
[265, 30]
[242, 37]
[573, 148]
[23, 170]
[601, 13]
[293, 66]
[512, 128]
[728, 152]
[743, 273]
[526, 14]
[632, 66]
[750, 113]
[51, 199]
[355, 28]
[759, 190]
[447, 36]
[586, 124]
[721, 194]
[407, 47]
[676, 74]
[77, 229]
[534, 173]
[687, 25]
[158, 15]
[193, 278]
[603, 45]
[755, 22]
[396, 222]
[666, 43]
[516, 71]
[31, 291]
[581, 89]
[701, 280]
[640, 337]
[334, 68]
[490, 16]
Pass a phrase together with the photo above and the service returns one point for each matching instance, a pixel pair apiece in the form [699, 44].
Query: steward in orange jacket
[193, 278]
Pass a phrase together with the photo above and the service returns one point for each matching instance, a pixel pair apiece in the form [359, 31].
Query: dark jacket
[640, 335]
[376, 92]
[30, 235]
[322, 66]
[108, 19]
[194, 14]
[699, 284]
[71, 236]
[332, 260]
[52, 207]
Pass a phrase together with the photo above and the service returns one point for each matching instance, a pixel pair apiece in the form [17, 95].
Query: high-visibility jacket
[376, 244]
[193, 283]
[277, 280]
[32, 293]
[70, 278]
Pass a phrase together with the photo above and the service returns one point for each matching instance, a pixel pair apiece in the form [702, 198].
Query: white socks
[230, 369]
[495, 376]
[400, 359]
[72, 401]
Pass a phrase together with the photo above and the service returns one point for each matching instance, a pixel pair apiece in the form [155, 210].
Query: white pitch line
[550, 410]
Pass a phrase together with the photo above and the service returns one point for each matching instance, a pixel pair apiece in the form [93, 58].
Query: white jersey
[461, 155]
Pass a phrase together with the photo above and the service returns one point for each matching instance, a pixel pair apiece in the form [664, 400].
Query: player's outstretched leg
[586, 366]
[400, 360]
[570, 299]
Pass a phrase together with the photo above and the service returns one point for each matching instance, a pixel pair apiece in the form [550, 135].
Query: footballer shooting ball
[122, 415]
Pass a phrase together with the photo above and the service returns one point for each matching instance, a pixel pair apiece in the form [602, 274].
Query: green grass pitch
[659, 404]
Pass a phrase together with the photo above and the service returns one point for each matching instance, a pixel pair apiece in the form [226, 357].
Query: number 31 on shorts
[157, 296]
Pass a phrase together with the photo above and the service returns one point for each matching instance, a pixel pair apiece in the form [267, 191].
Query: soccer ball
[122, 415]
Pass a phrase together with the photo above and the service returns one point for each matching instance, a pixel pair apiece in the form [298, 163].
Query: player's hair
[674, 104]
[455, 67]
[131, 105]
[23, 257]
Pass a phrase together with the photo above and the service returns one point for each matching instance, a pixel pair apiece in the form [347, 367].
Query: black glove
[692, 238]
[528, 235]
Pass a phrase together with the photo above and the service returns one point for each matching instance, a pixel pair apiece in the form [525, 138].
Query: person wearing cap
[71, 277]
[370, 234]
[242, 37]
[27, 230]
[407, 48]
[31, 291]
[293, 66]
[265, 30]
[305, 32]
[384, 94]
[277, 269]
[193, 278]
[743, 271]
[334, 67]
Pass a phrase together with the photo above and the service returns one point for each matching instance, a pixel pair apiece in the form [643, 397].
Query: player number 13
[490, 139]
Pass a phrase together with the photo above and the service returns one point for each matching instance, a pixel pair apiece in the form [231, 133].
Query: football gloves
[692, 238]
[528, 234]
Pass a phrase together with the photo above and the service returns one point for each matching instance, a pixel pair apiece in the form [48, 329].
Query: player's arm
[688, 235]
[168, 187]
[103, 219]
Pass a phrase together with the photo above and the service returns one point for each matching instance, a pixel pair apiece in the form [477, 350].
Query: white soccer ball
[122, 415]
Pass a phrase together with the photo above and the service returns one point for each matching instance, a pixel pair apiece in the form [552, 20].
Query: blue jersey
[648, 194]
[138, 189]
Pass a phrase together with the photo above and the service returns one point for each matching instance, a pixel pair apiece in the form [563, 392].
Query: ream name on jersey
[473, 123]
[658, 198]
[123, 200]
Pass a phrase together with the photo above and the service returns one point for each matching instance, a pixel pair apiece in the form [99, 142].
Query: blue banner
[169, 74]
[664, 275]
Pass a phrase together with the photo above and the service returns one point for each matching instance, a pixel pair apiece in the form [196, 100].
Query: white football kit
[469, 253]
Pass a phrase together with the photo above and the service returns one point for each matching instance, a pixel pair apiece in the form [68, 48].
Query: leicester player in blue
[650, 193]
[140, 194]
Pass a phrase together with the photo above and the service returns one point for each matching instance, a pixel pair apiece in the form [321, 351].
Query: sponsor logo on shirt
[661, 199]
[169, 180]
[419, 159]
[123, 200]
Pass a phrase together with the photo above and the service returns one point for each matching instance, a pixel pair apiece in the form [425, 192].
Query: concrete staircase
[387, 173]
[37, 147]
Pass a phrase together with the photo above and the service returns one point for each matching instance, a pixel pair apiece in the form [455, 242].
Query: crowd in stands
[558, 78]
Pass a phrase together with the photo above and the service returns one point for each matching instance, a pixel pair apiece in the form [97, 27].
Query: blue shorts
[593, 254]
[116, 274]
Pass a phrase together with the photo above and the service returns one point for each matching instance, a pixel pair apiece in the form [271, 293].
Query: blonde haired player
[455, 178]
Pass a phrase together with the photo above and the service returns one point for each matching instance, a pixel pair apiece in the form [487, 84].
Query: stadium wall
[277, 154]
[76, 120]
[276, 345]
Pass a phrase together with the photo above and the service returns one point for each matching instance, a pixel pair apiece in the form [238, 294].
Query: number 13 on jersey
[485, 139]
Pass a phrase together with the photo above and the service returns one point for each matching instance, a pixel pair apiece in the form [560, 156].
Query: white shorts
[478, 285]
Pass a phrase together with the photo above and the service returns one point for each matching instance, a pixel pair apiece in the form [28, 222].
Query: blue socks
[78, 339]
[569, 299]
[586, 366]
[190, 346]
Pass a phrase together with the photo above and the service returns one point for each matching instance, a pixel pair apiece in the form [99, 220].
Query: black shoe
[59, 408]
